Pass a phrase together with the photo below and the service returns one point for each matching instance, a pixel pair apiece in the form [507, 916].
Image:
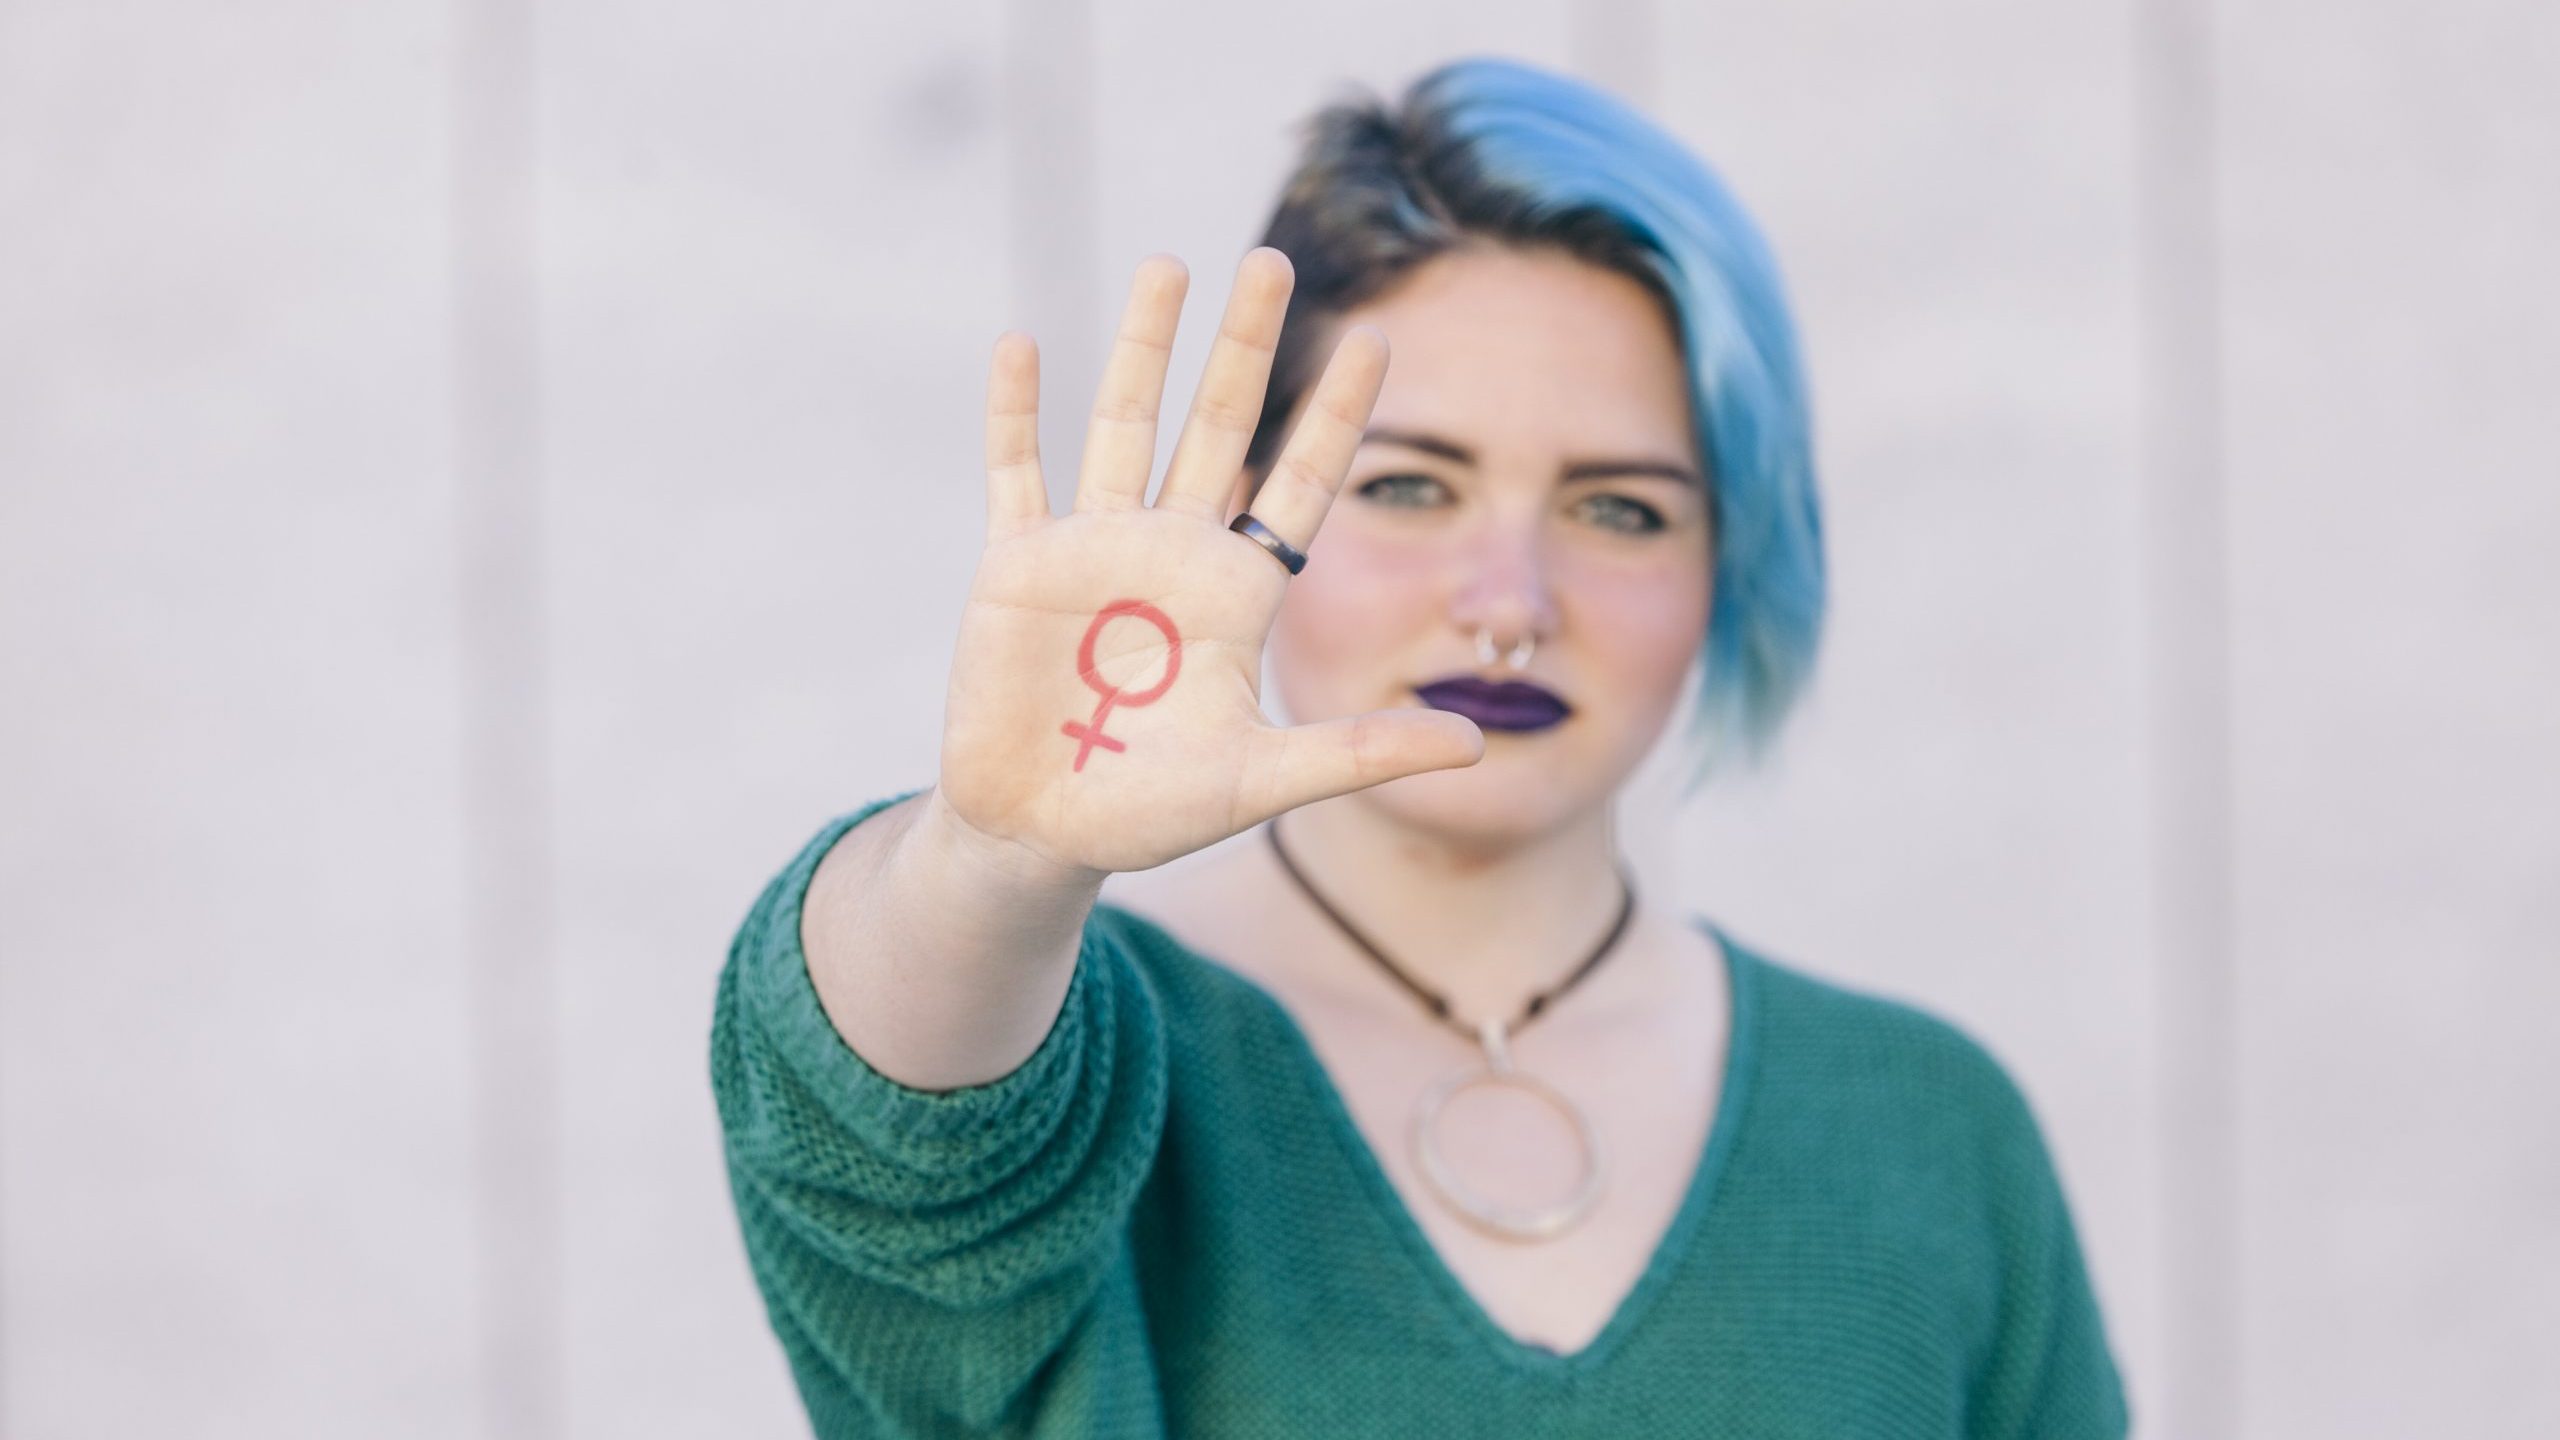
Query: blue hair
[1494, 149]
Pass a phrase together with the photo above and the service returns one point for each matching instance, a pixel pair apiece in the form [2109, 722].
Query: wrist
[944, 834]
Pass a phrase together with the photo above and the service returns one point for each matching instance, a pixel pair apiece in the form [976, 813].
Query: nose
[1505, 585]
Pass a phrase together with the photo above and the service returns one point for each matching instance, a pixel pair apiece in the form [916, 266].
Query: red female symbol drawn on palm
[1089, 734]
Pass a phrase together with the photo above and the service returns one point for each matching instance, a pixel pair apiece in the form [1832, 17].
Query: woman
[1410, 1117]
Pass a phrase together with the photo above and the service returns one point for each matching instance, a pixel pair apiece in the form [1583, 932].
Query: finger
[1017, 499]
[1309, 472]
[1301, 764]
[1120, 443]
[1219, 429]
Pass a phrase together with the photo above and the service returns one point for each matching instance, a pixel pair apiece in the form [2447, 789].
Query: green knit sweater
[1166, 1223]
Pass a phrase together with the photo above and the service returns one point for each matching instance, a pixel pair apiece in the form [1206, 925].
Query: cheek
[1643, 626]
[1358, 602]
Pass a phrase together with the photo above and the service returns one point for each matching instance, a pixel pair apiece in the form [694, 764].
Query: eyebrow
[1578, 470]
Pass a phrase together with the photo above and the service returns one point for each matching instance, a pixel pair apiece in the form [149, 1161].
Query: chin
[1512, 795]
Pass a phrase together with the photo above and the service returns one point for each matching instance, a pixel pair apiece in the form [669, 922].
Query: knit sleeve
[939, 1262]
[2049, 1374]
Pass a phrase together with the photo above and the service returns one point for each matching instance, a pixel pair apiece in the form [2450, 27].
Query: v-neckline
[1669, 1254]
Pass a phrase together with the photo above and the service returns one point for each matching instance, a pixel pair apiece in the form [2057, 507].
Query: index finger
[1293, 500]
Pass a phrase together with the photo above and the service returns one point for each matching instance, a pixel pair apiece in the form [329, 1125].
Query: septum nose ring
[1519, 658]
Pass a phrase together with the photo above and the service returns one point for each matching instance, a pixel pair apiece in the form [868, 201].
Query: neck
[1484, 923]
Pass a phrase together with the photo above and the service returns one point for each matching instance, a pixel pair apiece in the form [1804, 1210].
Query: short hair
[1496, 150]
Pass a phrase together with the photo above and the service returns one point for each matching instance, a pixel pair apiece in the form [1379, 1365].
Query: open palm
[1105, 706]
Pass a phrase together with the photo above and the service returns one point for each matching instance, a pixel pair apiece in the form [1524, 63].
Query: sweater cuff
[932, 1131]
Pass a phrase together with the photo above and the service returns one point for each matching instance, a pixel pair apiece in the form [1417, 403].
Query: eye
[1399, 490]
[1629, 514]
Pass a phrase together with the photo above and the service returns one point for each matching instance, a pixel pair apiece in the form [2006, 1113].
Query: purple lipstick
[1510, 705]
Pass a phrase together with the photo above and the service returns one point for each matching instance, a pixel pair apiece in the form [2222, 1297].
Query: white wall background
[480, 482]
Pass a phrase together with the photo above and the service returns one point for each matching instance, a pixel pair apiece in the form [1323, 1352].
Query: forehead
[1532, 348]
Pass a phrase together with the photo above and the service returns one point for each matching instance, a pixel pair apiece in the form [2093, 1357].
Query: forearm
[941, 955]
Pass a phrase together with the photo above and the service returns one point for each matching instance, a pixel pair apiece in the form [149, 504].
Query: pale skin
[1529, 468]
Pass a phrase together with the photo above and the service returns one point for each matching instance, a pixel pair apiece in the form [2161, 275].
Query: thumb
[1302, 764]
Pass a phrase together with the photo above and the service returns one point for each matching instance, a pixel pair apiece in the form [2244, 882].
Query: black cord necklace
[1493, 1035]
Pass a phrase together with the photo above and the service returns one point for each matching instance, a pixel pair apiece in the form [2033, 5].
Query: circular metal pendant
[1507, 1222]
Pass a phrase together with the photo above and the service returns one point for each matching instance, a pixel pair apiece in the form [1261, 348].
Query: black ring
[1261, 534]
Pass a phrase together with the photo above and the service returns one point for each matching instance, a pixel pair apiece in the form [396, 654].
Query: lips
[1512, 705]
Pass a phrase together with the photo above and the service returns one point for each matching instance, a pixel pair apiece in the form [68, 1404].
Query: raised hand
[1104, 710]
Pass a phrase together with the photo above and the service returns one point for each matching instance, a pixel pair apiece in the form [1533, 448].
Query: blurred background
[481, 482]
